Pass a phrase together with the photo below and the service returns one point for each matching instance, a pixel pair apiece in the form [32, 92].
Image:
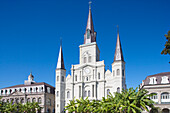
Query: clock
[87, 70]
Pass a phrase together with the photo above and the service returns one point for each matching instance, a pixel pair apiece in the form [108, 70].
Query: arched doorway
[165, 110]
[48, 110]
[153, 111]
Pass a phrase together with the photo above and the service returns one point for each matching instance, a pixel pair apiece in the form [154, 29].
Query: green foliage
[129, 101]
[6, 107]
[166, 50]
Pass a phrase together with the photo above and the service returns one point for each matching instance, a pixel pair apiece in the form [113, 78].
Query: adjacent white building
[31, 91]
[89, 78]
[159, 84]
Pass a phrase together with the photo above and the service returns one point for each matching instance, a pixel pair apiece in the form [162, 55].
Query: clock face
[87, 70]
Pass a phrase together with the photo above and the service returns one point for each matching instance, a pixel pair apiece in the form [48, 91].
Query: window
[17, 100]
[57, 93]
[98, 75]
[84, 59]
[39, 100]
[123, 73]
[113, 73]
[28, 100]
[57, 78]
[79, 91]
[118, 89]
[154, 96]
[68, 94]
[92, 90]
[76, 78]
[80, 75]
[85, 94]
[108, 91]
[164, 80]
[118, 72]
[87, 79]
[49, 101]
[33, 100]
[153, 80]
[89, 93]
[165, 96]
[48, 89]
[62, 78]
[89, 58]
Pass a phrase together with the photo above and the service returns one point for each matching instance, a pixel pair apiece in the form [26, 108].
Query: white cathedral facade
[89, 78]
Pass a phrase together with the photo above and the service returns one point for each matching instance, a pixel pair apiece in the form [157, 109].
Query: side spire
[118, 51]
[60, 63]
[90, 34]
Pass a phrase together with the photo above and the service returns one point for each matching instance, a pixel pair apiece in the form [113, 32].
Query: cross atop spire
[118, 52]
[90, 4]
[60, 63]
[90, 34]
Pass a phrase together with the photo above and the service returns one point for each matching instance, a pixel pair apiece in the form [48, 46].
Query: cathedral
[89, 78]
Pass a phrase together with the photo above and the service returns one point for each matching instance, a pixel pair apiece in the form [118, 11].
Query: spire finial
[90, 4]
[60, 41]
[117, 29]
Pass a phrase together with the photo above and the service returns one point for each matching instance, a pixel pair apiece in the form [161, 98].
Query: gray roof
[158, 78]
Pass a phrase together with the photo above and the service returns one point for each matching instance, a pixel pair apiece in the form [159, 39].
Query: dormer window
[153, 80]
[165, 80]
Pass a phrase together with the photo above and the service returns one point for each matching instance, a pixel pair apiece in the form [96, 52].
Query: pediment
[16, 94]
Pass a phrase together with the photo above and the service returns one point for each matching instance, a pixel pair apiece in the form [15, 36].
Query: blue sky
[30, 32]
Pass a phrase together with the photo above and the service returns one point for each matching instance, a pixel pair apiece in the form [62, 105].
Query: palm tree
[71, 107]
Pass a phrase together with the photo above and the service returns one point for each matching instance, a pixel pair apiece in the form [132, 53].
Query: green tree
[128, 101]
[11, 107]
[166, 50]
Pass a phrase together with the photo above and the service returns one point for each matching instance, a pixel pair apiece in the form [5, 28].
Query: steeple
[118, 51]
[60, 63]
[90, 34]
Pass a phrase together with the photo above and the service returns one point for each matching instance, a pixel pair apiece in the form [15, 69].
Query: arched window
[89, 58]
[49, 101]
[39, 100]
[118, 71]
[118, 89]
[57, 78]
[33, 100]
[98, 75]
[6, 91]
[80, 75]
[68, 94]
[85, 93]
[154, 96]
[7, 100]
[28, 100]
[113, 73]
[22, 101]
[123, 72]
[48, 110]
[57, 93]
[108, 91]
[76, 78]
[84, 59]
[89, 93]
[62, 78]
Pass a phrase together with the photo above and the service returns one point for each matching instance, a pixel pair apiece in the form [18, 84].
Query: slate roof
[158, 78]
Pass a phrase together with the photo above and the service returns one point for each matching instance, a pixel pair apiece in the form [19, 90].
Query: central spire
[90, 34]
